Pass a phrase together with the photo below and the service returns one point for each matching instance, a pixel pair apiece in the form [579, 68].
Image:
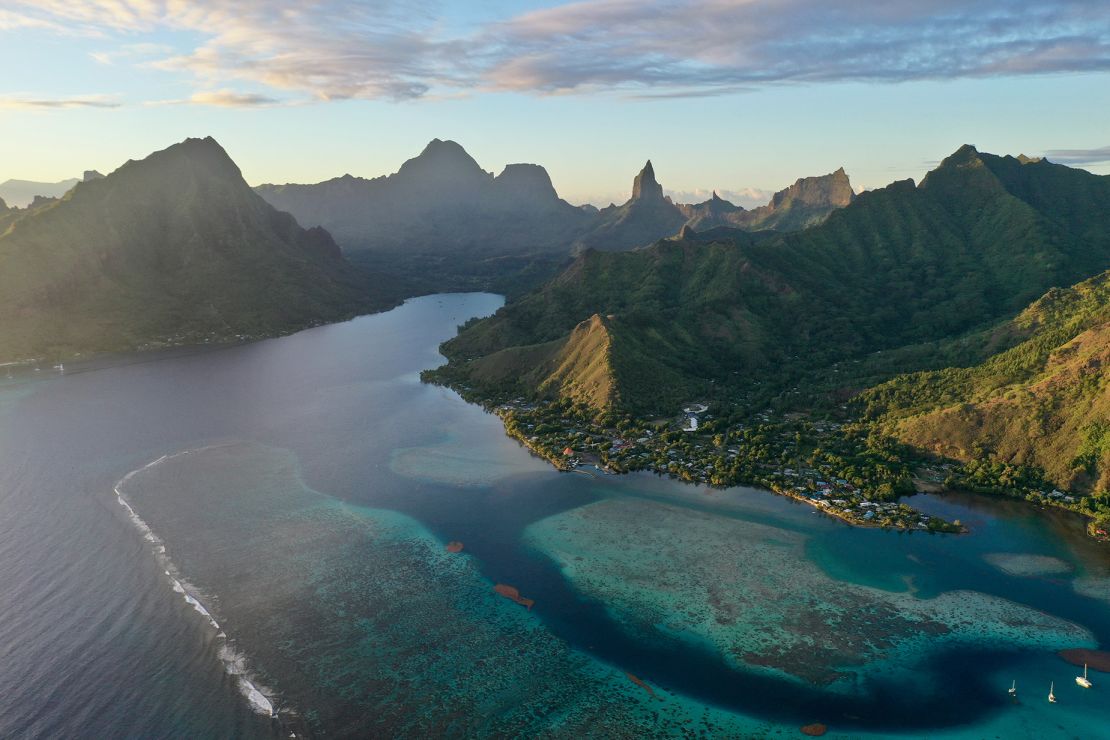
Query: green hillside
[739, 314]
[175, 248]
[1044, 403]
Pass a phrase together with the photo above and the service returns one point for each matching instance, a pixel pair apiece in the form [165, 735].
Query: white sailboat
[1083, 680]
[1013, 689]
[1051, 695]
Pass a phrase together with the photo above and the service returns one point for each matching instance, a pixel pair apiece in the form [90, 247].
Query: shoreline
[563, 466]
[512, 412]
[158, 348]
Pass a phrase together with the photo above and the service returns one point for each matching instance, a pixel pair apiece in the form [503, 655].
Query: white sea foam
[234, 663]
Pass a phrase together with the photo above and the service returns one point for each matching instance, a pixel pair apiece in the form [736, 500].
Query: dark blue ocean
[250, 542]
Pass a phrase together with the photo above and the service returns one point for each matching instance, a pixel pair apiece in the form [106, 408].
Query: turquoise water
[281, 566]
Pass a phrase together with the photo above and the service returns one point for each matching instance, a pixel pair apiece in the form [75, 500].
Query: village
[832, 466]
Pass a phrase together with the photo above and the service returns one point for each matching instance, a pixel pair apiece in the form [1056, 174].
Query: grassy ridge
[1042, 403]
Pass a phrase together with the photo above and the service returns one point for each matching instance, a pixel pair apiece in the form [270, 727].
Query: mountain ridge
[900, 265]
[175, 247]
[446, 222]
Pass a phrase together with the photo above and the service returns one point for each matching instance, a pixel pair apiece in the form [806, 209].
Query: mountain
[441, 201]
[738, 314]
[713, 213]
[1044, 402]
[20, 193]
[807, 202]
[174, 248]
[446, 224]
[647, 216]
[443, 222]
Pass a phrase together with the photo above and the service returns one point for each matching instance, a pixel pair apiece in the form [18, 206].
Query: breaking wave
[235, 663]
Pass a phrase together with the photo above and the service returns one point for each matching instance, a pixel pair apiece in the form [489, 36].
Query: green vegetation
[906, 295]
[899, 267]
[1042, 403]
[173, 249]
[844, 470]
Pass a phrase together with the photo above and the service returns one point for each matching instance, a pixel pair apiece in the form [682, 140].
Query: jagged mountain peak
[645, 185]
[204, 154]
[965, 155]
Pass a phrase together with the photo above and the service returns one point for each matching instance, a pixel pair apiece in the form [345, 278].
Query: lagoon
[282, 552]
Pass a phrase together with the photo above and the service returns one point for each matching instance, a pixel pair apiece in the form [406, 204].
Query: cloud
[13, 21]
[326, 49]
[131, 53]
[708, 45]
[232, 99]
[1098, 155]
[224, 99]
[400, 50]
[25, 102]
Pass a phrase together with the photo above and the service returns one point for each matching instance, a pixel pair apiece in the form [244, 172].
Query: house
[567, 452]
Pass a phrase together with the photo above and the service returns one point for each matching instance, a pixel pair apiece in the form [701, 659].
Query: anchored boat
[1051, 696]
[1083, 680]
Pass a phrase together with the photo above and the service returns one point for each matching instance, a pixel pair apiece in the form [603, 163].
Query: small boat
[1083, 680]
[1051, 695]
[1013, 689]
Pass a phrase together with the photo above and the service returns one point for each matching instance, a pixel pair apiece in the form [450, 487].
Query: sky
[738, 96]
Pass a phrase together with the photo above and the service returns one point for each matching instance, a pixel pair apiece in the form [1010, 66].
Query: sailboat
[1083, 680]
[1013, 689]
[1051, 695]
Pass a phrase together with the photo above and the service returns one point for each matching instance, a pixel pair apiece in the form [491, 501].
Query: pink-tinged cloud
[708, 45]
[32, 102]
[397, 49]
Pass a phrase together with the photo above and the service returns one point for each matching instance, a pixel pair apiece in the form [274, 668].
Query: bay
[301, 492]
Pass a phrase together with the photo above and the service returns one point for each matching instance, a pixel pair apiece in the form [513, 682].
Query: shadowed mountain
[441, 201]
[647, 216]
[979, 239]
[443, 221]
[20, 193]
[174, 248]
[7, 215]
[807, 202]
[713, 213]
